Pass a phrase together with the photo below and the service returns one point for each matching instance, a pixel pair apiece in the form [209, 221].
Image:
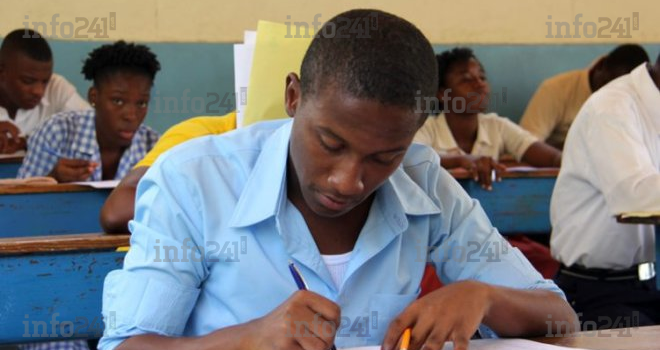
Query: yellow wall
[443, 21]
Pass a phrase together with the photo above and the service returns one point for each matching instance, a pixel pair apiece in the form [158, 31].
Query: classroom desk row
[52, 286]
[52, 289]
[27, 210]
[518, 204]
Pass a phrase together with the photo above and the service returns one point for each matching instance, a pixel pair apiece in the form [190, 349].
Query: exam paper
[13, 155]
[98, 184]
[492, 344]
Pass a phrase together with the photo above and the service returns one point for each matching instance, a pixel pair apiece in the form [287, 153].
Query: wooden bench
[52, 286]
[50, 210]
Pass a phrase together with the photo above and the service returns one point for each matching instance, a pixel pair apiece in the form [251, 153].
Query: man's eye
[385, 160]
[117, 101]
[329, 145]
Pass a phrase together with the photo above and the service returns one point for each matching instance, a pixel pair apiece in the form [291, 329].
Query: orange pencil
[405, 339]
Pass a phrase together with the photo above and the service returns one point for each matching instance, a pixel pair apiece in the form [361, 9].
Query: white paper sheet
[13, 155]
[492, 344]
[98, 184]
[242, 65]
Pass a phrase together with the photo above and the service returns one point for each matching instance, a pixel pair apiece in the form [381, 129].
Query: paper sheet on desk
[13, 155]
[492, 344]
[525, 169]
[98, 184]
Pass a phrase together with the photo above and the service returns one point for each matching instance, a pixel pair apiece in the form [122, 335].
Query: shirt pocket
[383, 308]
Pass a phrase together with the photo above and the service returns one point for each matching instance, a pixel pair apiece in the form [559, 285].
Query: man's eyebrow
[332, 134]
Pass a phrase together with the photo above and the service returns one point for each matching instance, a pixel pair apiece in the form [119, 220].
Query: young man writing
[338, 190]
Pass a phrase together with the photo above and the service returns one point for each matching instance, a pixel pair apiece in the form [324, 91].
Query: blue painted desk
[9, 167]
[51, 286]
[518, 204]
[50, 210]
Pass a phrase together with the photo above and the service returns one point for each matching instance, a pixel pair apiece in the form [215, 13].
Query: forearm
[118, 210]
[540, 154]
[520, 313]
[230, 338]
[451, 162]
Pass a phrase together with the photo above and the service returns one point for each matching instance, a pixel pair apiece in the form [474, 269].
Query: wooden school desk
[50, 210]
[55, 282]
[634, 338]
[518, 204]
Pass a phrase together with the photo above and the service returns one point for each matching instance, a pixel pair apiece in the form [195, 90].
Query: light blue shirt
[227, 195]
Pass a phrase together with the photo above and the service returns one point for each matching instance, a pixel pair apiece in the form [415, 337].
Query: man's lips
[333, 203]
[126, 135]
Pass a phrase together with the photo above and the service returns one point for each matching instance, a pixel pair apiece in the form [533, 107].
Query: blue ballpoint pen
[300, 282]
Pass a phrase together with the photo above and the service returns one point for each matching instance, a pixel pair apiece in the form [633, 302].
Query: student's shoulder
[422, 165]
[234, 144]
[70, 119]
[205, 125]
[563, 79]
[59, 85]
[620, 93]
[494, 119]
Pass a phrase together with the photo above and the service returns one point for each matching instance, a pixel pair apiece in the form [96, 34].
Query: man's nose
[347, 180]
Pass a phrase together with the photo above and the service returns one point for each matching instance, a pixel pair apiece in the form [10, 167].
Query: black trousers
[612, 304]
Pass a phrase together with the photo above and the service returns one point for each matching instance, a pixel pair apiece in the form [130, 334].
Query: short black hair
[386, 59]
[28, 42]
[450, 57]
[625, 57]
[120, 56]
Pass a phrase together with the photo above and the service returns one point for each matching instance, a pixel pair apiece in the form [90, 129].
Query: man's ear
[92, 95]
[292, 94]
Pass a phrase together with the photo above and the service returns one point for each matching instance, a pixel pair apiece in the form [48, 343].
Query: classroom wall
[443, 21]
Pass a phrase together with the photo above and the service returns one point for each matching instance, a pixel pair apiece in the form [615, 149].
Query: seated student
[103, 143]
[118, 209]
[611, 165]
[464, 136]
[29, 91]
[339, 191]
[556, 102]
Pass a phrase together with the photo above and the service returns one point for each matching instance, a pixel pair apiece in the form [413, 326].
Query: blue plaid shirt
[73, 135]
[56, 345]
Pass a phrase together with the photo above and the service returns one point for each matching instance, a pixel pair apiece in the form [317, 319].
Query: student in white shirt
[467, 138]
[611, 165]
[29, 91]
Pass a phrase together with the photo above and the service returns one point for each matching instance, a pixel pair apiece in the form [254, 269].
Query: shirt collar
[648, 93]
[266, 185]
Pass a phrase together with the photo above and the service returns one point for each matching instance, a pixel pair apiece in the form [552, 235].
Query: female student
[466, 137]
[103, 143]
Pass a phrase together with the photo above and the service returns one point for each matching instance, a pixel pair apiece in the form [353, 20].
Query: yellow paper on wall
[277, 53]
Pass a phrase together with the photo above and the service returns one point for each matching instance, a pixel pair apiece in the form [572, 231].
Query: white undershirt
[337, 266]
